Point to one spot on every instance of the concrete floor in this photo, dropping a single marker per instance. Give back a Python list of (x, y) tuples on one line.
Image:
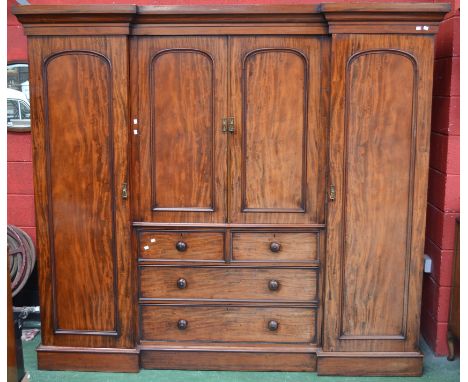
[(436, 369)]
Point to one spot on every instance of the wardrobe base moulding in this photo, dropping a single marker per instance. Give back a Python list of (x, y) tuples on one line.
[(88, 359), (268, 357), (370, 364)]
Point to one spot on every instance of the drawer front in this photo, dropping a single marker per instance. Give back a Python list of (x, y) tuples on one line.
[(275, 246), (228, 324), (182, 246), (228, 283)]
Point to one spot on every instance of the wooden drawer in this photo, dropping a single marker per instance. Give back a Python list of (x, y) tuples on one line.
[(228, 283), (228, 324), (275, 246), (181, 246)]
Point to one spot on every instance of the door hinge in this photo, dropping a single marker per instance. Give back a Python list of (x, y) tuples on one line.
[(124, 191), (231, 125), (332, 194), (228, 125), (224, 125)]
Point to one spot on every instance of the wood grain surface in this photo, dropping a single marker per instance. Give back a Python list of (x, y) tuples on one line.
[(81, 198), (377, 191), (321, 95), (181, 148), (294, 246), (235, 361), (228, 283), (224, 323), (202, 246), (182, 92), (88, 359), (378, 163), (80, 160), (370, 364), (277, 154)]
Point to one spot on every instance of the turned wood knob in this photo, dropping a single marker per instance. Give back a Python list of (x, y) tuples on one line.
[(182, 324), (273, 285), (273, 325), (181, 246), (275, 247), (181, 283)]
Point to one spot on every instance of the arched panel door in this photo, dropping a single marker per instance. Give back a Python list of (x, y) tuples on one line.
[(80, 136), (180, 145), (278, 145), (378, 164)]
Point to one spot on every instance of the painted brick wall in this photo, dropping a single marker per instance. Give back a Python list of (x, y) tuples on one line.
[(444, 182), (19, 156), (444, 175)]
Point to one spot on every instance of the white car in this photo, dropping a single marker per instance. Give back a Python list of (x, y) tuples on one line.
[(18, 111)]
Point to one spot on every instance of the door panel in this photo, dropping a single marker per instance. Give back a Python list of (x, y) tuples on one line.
[(181, 148), (377, 181), (82, 197), (378, 156), (278, 148), (80, 145), (267, 122)]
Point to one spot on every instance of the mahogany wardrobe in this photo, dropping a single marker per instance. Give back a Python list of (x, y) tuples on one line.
[(238, 187)]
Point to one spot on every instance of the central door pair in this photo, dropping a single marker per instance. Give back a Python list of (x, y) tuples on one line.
[(230, 129)]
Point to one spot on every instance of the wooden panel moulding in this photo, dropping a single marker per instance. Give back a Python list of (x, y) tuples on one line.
[(72, 203), (182, 152), (278, 152), (182, 99), (386, 204), (279, 166)]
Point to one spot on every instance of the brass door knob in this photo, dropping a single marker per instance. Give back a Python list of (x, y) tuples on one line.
[(273, 325), (275, 247), (181, 246), (182, 324), (181, 283), (273, 285)]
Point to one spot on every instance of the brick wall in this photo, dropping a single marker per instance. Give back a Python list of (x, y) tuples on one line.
[(444, 175), (444, 182), (20, 199)]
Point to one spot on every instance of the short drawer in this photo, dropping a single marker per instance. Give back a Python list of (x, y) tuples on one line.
[(228, 283), (228, 324), (180, 246), (275, 246)]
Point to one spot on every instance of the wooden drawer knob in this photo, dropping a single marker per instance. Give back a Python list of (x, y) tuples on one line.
[(181, 246), (181, 283), (273, 285), (275, 247), (273, 325), (182, 324)]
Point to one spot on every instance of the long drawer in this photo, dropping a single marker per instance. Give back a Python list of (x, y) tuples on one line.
[(228, 324), (228, 283)]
